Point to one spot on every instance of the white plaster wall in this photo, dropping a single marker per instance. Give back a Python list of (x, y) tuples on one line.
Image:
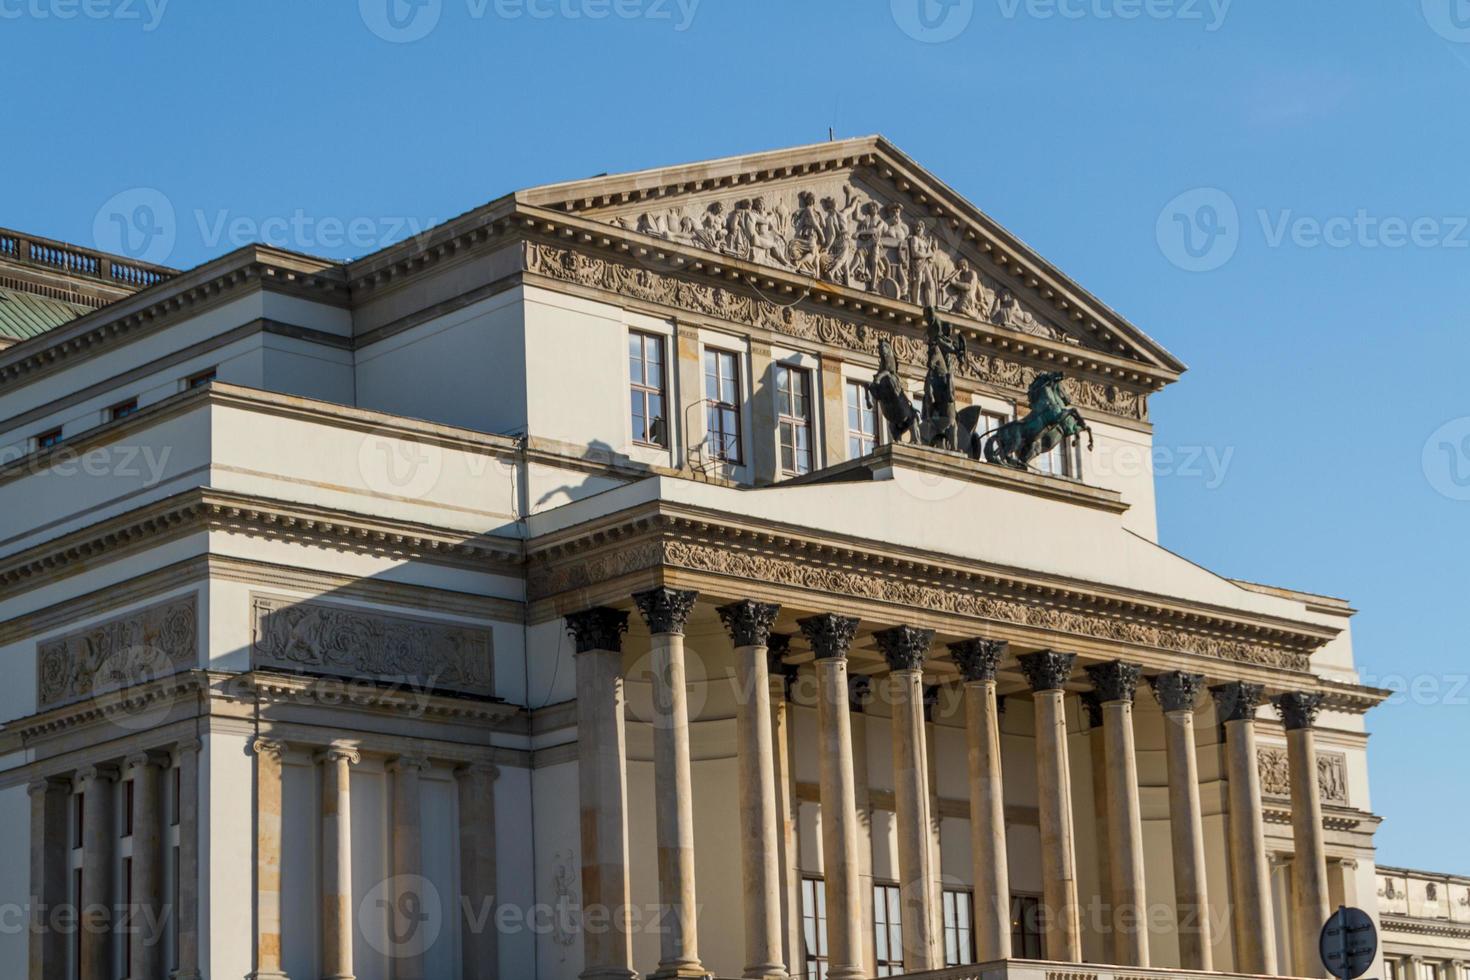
[(371, 865), (532, 943), (301, 863), (1122, 460)]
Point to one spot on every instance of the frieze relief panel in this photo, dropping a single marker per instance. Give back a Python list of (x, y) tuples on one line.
[(120, 653), (641, 282), (1275, 770), (342, 641)]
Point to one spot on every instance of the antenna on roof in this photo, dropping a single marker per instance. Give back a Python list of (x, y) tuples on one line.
[(831, 134)]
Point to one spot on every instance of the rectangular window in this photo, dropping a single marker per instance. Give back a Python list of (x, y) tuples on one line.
[(79, 809), (175, 792), (722, 403), (127, 820), (1026, 931), (48, 439), (646, 371), (202, 378), (1060, 461), (127, 887), (862, 421), (959, 916), (122, 410), (887, 931), (794, 418), (814, 927)]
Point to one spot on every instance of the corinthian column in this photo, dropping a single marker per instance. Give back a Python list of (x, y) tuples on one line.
[(978, 661), (667, 611), (1250, 872), (336, 764), (905, 647), (1309, 864), (1177, 693), (830, 637), (146, 949), (267, 859), (781, 676), (1048, 673), (749, 624), (1116, 685), (602, 783)]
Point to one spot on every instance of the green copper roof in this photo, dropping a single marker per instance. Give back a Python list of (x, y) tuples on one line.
[(26, 315)]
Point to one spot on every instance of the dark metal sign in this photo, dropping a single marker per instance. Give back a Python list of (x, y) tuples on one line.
[(1349, 943)]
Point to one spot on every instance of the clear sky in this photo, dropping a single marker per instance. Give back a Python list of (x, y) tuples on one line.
[(1313, 273)]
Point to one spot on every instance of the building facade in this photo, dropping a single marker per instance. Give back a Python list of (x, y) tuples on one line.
[(549, 596)]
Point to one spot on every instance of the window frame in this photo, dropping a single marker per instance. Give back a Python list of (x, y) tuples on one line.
[(1026, 943), (958, 922), (796, 421), (122, 409), (887, 917), (50, 438), (644, 391), (854, 388), (201, 378), (718, 437), (815, 963)]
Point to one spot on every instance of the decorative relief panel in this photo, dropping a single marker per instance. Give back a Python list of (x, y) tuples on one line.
[(1275, 772), (342, 641), (120, 653), (718, 301)]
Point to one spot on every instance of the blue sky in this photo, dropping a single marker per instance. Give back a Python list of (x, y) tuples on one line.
[(1314, 152)]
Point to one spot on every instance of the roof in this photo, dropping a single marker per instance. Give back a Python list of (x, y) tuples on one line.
[(26, 315)]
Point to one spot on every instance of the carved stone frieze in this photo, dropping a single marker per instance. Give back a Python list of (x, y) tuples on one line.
[(124, 652), (1275, 770), (755, 310), (341, 641)]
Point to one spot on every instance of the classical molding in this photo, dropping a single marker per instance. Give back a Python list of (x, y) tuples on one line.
[(1047, 670), (598, 629), (749, 622), (829, 634), (1178, 690), (321, 638), (904, 647), (1237, 700), (338, 752), (1298, 710), (978, 660), (118, 654), (666, 610), (1275, 771), (1115, 681)]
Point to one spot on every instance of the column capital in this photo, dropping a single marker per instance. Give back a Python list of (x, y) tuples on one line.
[(338, 751), (666, 610), (859, 692), (1047, 670), (267, 747), (157, 758), (1298, 710), (599, 628), (407, 763), (749, 622), (977, 659), (1115, 681), (483, 768), (105, 773), (49, 784), (1237, 700), (829, 634), (778, 645), (1177, 690), (1092, 704), (904, 647), (187, 745)]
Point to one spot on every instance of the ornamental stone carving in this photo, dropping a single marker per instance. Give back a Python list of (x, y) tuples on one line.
[(749, 622), (666, 610), (1115, 681), (904, 647), (342, 641), (1047, 670), (978, 660), (1272, 762), (598, 629), (120, 653), (1298, 711), (1177, 690), (1237, 701), (830, 635)]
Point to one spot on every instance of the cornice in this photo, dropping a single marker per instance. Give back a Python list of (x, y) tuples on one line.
[(1425, 927)]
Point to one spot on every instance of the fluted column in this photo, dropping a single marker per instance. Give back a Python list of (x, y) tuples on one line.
[(781, 676), (978, 661), (859, 695), (1116, 685), (50, 800), (98, 785), (830, 637), (1098, 755), (1177, 694), (479, 938), (1048, 673), (1250, 872), (146, 949), (667, 611), (749, 624), (267, 859), (602, 782), (1309, 865), (187, 899), (407, 836), (336, 765)]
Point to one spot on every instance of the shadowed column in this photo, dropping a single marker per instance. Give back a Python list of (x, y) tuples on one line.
[(1116, 685), (1177, 694), (1250, 872), (782, 675), (475, 786), (267, 859), (1309, 863), (336, 773), (187, 900), (146, 908), (408, 866), (50, 850), (1097, 752)]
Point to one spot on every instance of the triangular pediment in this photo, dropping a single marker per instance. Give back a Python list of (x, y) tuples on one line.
[(858, 215)]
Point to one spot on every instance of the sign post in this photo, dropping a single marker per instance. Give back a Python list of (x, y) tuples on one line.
[(1349, 943)]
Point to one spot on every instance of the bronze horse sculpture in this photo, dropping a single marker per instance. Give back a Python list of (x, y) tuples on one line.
[(887, 390), (1051, 422)]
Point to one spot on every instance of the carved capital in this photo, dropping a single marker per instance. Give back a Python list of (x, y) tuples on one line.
[(1092, 704), (904, 647), (156, 758), (1047, 670), (598, 629), (267, 748), (1298, 710), (338, 752), (189, 746), (829, 634), (408, 764), (778, 645), (58, 785), (749, 622), (1237, 701), (1177, 690), (666, 610), (488, 771), (978, 660), (1115, 681), (859, 692), (89, 775)]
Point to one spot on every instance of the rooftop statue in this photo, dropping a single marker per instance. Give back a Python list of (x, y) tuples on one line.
[(887, 390), (946, 348), (1051, 422)]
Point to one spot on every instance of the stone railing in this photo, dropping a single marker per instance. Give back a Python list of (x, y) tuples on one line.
[(74, 260), (1033, 970)]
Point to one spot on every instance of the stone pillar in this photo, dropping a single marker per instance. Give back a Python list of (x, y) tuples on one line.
[(905, 648), (781, 676), (98, 785), (749, 624), (1309, 865), (1177, 694), (1098, 756), (267, 859), (187, 899), (407, 846), (1116, 685), (1250, 872), (479, 938), (859, 694), (667, 611), (146, 949), (936, 821), (602, 783), (830, 637), (1342, 884), (978, 661), (336, 765), (1048, 673), (50, 801)]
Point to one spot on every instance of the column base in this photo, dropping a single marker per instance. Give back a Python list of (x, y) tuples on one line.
[(695, 972), (258, 975), (772, 971), (186, 975), (608, 973)]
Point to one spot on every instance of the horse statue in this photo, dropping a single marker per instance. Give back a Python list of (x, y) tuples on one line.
[(1051, 422), (887, 390), (940, 425)]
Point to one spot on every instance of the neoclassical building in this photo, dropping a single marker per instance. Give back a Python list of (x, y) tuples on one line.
[(550, 596)]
